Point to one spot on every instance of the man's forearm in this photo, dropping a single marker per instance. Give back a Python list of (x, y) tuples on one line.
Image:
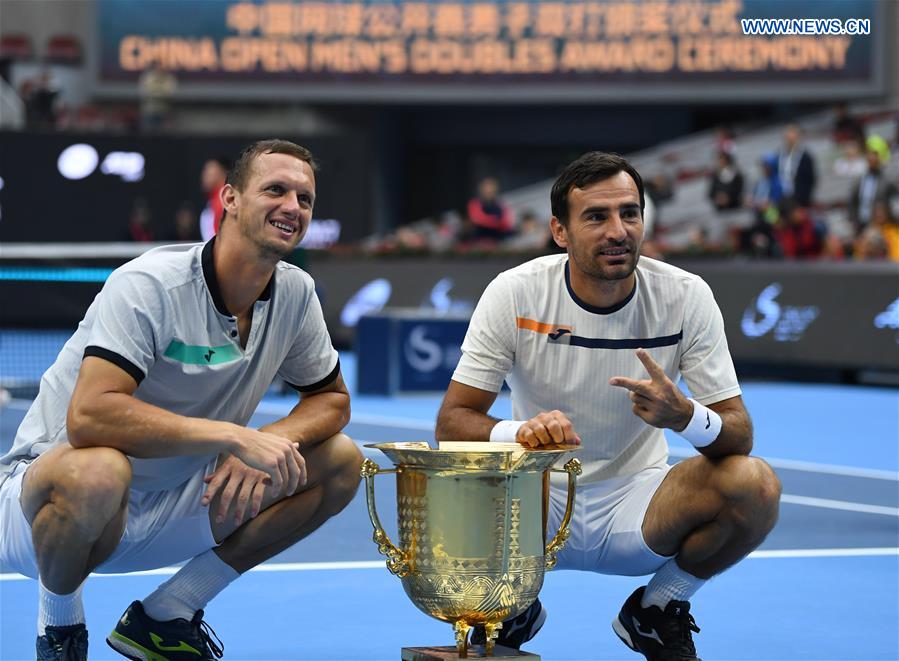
[(313, 419), (735, 436), (463, 424), (139, 429)]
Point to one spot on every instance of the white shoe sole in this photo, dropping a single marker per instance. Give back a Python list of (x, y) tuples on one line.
[(622, 633)]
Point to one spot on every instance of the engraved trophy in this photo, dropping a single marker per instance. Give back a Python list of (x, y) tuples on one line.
[(472, 542)]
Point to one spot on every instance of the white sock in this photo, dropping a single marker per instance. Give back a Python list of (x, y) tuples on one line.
[(58, 610), (190, 589), (670, 583)]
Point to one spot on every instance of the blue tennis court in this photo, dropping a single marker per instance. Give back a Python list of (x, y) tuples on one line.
[(825, 584)]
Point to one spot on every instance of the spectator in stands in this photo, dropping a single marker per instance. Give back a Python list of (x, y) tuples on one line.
[(796, 167), (873, 187), (156, 87), (846, 128), (184, 227), (725, 140), (726, 184), (870, 246), (490, 218), (766, 194), (532, 234), (660, 187), (880, 240), (40, 96), (140, 222), (212, 179), (878, 144), (851, 163), (797, 234)]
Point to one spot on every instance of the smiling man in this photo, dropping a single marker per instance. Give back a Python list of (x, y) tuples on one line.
[(136, 452), (592, 344)]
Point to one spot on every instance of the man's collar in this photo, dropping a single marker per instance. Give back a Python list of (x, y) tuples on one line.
[(212, 282)]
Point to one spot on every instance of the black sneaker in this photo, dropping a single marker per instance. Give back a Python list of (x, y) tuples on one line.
[(139, 637), (67, 643), (517, 631), (658, 635)]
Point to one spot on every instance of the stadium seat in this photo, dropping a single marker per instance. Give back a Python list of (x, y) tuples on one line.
[(16, 46), (63, 49)]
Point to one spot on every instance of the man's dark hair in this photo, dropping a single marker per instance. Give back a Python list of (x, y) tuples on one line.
[(588, 169), (243, 167)]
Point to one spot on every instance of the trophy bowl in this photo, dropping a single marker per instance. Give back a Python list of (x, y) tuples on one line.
[(471, 523)]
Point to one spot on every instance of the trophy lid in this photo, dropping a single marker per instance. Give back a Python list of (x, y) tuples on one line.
[(473, 455)]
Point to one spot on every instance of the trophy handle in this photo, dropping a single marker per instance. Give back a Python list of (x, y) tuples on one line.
[(573, 468), (396, 559)]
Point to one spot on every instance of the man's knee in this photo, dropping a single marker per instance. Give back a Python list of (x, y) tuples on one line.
[(342, 474), (87, 483), (750, 481)]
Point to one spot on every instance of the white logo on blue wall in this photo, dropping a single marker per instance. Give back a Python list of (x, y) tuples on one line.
[(765, 314), (424, 354), (370, 298), (441, 300), (889, 318)]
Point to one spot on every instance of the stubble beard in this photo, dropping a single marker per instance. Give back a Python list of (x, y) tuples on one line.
[(266, 251), (595, 271)]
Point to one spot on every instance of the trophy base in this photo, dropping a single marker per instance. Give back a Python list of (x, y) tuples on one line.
[(474, 652)]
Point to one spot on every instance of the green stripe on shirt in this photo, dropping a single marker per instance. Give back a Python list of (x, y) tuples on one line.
[(190, 354)]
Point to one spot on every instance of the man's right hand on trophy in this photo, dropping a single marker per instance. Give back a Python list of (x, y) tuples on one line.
[(547, 428)]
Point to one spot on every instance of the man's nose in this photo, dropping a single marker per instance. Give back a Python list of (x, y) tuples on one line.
[(290, 204), (615, 228)]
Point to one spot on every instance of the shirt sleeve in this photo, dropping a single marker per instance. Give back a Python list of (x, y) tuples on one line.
[(706, 364), (312, 362), (488, 350), (130, 322)]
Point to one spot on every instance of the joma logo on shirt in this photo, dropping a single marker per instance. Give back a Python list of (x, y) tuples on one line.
[(193, 354)]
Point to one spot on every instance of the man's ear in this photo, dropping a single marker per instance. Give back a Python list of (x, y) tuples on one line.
[(230, 198), (560, 232)]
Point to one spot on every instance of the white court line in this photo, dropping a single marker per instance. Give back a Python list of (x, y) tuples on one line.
[(829, 469), (380, 564), (810, 467), (790, 464), (839, 505), (424, 425), (826, 553)]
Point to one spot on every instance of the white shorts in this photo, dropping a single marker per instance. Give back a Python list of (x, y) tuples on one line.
[(606, 526), (163, 528)]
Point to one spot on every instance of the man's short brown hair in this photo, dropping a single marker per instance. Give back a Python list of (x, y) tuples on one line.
[(243, 167)]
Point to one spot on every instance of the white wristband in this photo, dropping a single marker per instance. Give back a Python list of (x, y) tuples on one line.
[(504, 431), (704, 426)]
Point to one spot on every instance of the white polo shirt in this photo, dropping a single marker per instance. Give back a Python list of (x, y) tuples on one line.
[(162, 319), (558, 352)]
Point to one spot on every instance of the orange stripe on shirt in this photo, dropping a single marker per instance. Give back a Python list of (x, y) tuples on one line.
[(538, 326)]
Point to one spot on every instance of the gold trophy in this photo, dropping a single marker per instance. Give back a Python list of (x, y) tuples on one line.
[(471, 528)]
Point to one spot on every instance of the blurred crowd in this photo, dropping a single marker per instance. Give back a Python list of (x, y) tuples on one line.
[(786, 222), (774, 205), (767, 209)]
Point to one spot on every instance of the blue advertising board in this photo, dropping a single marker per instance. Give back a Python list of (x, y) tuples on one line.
[(407, 351)]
